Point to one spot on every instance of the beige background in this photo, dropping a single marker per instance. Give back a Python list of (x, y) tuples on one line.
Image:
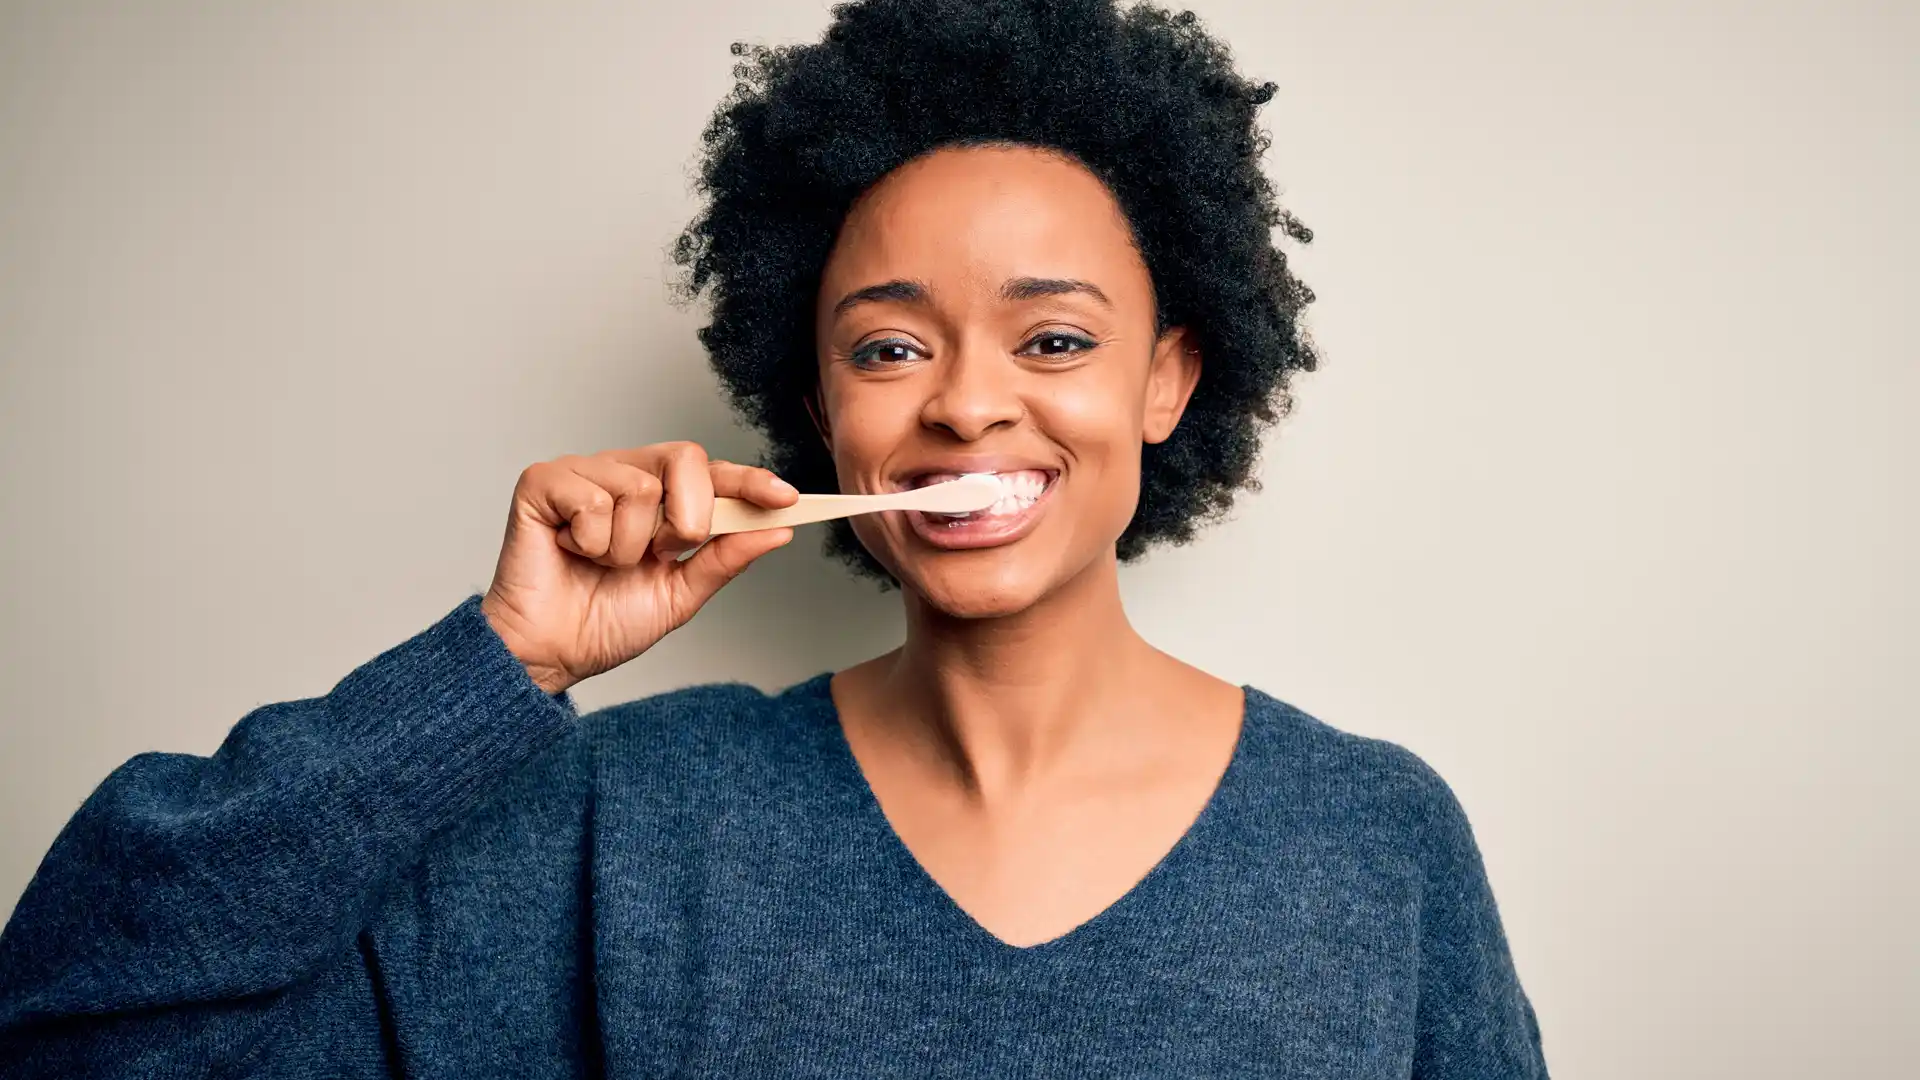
[(1603, 502)]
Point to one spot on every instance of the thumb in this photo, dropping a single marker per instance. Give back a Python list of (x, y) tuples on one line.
[(721, 559)]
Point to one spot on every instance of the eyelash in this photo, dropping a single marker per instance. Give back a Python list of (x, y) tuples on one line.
[(862, 357), (1079, 342)]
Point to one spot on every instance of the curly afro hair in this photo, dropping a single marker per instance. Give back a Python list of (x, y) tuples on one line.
[(1143, 98)]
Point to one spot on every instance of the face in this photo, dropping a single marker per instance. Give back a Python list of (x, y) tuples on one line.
[(984, 310)]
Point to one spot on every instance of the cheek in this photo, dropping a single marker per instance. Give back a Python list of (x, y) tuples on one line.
[(1097, 420), (868, 421), (1097, 423)]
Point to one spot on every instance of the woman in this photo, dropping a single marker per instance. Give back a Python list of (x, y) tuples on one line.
[(1021, 237)]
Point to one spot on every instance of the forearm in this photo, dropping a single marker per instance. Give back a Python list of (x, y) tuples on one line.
[(186, 884)]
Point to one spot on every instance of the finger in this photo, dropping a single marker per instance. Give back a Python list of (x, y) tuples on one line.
[(636, 500), (651, 457), (579, 510), (758, 486), (706, 571), (677, 528), (688, 501)]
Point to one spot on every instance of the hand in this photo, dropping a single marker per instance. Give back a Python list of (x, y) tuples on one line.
[(589, 577)]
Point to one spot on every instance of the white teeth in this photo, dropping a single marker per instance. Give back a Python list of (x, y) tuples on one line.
[(1019, 490)]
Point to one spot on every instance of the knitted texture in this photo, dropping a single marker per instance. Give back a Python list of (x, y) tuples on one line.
[(439, 870)]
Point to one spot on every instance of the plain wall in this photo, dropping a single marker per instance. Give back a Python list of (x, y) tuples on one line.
[(1603, 501)]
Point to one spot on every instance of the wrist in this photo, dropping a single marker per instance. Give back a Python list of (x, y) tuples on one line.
[(549, 677)]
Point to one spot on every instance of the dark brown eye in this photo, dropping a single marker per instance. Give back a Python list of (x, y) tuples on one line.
[(884, 353), (1056, 344)]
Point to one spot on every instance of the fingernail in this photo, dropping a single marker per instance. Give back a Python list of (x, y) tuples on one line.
[(784, 486)]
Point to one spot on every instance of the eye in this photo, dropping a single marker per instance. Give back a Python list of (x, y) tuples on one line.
[(1057, 343), (885, 353)]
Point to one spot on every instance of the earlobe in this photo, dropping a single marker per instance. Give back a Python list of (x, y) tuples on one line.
[(1170, 382)]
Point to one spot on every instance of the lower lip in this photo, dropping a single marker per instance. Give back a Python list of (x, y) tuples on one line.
[(990, 530)]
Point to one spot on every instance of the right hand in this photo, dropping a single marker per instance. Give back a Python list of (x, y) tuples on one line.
[(586, 582)]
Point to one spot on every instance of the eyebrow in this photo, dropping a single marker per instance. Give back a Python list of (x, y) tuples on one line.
[(903, 291), (898, 290), (1031, 288)]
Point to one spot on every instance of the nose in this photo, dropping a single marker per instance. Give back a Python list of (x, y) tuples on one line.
[(975, 392)]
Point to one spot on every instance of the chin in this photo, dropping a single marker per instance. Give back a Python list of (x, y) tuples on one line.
[(977, 582), (987, 584)]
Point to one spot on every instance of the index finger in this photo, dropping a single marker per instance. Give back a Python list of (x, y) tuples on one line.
[(757, 486), (685, 509), (687, 505)]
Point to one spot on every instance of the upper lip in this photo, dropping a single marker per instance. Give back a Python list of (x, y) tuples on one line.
[(971, 463)]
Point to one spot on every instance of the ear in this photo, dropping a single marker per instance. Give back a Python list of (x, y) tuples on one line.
[(811, 399), (1171, 377)]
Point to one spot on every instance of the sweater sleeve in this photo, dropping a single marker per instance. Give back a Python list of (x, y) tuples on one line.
[(194, 909), (1474, 1021)]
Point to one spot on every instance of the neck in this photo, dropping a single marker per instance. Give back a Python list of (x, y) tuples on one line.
[(1010, 702)]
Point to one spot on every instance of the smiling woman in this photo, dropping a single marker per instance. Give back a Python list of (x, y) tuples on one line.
[(994, 315), (1021, 238)]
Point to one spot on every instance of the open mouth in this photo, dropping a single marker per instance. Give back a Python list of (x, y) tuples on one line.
[(1019, 490)]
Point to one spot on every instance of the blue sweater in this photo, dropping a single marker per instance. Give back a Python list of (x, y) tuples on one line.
[(439, 870)]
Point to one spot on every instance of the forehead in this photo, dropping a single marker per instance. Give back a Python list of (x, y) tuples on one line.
[(970, 218)]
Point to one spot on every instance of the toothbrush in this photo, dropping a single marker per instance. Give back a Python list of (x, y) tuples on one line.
[(974, 491)]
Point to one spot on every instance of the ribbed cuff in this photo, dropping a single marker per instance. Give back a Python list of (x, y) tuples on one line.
[(445, 717)]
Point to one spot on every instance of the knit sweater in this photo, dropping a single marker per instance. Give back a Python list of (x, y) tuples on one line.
[(437, 869)]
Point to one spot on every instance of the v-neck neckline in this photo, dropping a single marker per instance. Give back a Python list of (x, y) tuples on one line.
[(960, 923)]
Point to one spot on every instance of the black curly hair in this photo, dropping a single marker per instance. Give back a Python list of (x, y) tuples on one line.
[(1143, 98)]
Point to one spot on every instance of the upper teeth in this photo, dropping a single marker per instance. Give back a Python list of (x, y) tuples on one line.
[(1026, 483), (1018, 489)]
